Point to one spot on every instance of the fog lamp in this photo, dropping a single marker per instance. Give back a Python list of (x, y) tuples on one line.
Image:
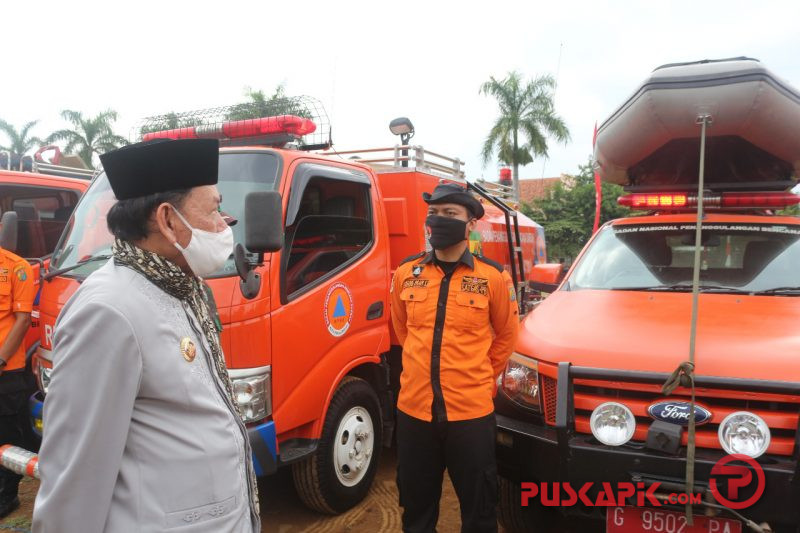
[(745, 433), (612, 423)]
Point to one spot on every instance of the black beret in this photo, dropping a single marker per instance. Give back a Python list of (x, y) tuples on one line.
[(450, 193), (161, 165)]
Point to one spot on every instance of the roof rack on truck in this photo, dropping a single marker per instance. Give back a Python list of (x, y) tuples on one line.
[(9, 161), (296, 122), (397, 159)]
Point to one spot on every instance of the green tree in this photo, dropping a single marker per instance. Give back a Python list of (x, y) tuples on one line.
[(259, 105), (170, 121), (88, 136), (527, 118), (19, 142), (567, 213)]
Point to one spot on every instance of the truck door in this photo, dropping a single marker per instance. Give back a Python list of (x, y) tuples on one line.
[(332, 288)]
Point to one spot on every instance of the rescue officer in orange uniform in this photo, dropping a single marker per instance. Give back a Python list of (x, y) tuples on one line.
[(17, 292), (456, 317)]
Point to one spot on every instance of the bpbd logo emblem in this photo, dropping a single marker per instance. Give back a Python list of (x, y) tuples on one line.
[(677, 412)]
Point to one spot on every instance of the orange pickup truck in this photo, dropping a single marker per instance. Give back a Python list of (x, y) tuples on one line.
[(590, 396)]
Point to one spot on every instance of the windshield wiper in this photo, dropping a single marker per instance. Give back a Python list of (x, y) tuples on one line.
[(92, 259), (683, 287), (780, 290)]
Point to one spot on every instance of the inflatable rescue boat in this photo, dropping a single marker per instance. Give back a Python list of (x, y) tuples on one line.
[(753, 140)]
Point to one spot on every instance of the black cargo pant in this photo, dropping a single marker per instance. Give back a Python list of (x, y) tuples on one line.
[(466, 448), (16, 386)]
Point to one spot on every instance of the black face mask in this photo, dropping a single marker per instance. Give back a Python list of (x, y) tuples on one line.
[(445, 232)]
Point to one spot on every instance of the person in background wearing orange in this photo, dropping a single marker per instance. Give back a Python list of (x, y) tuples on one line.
[(456, 317), (17, 292)]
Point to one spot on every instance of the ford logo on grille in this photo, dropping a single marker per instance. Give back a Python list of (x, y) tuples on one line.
[(677, 412)]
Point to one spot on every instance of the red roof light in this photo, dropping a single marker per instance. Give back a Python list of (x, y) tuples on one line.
[(253, 127)]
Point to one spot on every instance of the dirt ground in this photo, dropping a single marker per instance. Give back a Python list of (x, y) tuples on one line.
[(283, 512)]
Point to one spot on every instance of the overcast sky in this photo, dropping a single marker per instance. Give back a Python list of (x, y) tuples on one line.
[(369, 62)]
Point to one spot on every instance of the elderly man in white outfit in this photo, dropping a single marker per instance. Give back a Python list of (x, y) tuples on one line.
[(142, 432)]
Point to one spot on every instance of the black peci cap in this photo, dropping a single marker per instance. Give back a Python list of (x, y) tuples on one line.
[(161, 165), (450, 193)]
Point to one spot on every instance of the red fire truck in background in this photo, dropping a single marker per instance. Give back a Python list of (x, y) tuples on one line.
[(304, 300)]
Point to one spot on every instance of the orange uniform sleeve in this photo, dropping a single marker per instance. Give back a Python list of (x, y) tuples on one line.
[(398, 308), (504, 314), (23, 289)]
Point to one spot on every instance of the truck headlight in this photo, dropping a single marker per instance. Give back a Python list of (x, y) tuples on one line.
[(252, 388), (42, 367), (612, 423), (745, 433), (520, 381)]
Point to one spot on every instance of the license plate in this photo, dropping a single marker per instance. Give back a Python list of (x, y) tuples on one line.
[(637, 519)]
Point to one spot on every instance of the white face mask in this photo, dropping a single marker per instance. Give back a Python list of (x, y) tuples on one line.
[(207, 251)]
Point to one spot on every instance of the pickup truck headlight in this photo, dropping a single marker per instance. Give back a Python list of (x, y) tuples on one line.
[(42, 367), (252, 388), (520, 381)]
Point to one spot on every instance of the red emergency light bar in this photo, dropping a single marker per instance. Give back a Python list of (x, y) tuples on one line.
[(726, 200), (237, 129)]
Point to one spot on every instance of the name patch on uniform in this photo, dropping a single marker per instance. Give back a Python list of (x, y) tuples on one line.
[(407, 284), (475, 285)]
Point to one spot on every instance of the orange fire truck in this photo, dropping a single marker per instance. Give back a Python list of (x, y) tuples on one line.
[(36, 200), (305, 313)]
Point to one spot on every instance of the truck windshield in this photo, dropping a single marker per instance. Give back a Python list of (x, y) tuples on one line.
[(735, 258), (87, 236)]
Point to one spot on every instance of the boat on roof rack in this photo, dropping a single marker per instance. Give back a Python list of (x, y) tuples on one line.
[(652, 140)]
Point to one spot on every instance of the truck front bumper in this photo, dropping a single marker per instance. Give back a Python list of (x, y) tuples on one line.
[(529, 450)]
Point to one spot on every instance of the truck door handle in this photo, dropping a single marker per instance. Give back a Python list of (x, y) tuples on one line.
[(375, 311)]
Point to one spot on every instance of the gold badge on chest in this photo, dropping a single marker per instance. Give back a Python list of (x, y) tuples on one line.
[(188, 349)]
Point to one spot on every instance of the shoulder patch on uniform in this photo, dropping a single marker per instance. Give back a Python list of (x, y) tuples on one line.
[(412, 257), (488, 261)]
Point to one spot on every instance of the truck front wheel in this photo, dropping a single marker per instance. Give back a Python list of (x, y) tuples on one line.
[(339, 474), (512, 515)]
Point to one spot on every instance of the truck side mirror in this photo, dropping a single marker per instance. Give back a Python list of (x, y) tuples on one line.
[(263, 222), (8, 231), (546, 277), (263, 232)]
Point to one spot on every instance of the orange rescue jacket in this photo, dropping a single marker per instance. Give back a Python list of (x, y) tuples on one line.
[(17, 292), (457, 333)]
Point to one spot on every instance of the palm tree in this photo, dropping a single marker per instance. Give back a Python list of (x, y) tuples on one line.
[(170, 121), (527, 118), (89, 136), (260, 105), (19, 142)]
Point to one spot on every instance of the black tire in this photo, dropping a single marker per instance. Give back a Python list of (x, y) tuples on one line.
[(512, 515), (315, 478)]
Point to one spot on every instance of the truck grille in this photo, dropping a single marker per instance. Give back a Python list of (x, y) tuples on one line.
[(781, 413)]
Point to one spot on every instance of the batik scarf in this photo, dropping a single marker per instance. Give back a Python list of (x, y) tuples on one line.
[(189, 289)]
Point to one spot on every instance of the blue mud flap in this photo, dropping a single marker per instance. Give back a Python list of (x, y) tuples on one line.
[(264, 445), (35, 405)]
